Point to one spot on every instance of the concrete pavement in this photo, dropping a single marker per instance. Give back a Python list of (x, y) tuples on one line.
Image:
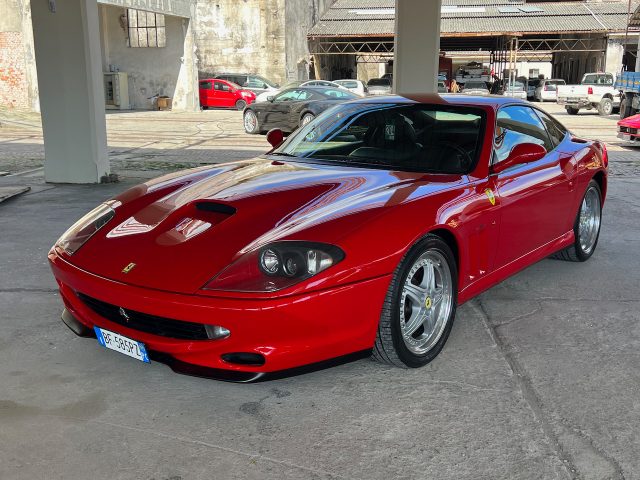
[(539, 379)]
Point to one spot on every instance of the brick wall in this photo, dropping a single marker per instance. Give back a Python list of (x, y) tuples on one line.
[(14, 89)]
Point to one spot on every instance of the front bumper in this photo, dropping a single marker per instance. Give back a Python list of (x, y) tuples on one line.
[(288, 331)]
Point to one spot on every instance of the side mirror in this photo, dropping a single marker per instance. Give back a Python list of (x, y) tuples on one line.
[(270, 98), (521, 153), (275, 137)]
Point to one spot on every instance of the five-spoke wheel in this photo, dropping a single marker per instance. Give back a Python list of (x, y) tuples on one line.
[(420, 306)]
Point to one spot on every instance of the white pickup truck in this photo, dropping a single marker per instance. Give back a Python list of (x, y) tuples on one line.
[(595, 91)]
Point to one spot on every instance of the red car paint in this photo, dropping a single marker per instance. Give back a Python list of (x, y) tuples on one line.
[(629, 128), (369, 213), (220, 93)]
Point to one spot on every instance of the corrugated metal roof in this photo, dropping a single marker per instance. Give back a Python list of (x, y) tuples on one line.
[(376, 17)]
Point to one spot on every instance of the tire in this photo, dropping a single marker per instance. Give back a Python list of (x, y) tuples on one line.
[(306, 118), (572, 111), (204, 107), (605, 107), (250, 122), (420, 347), (586, 234), (240, 104), (623, 109)]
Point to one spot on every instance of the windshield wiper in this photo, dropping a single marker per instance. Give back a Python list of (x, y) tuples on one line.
[(284, 154)]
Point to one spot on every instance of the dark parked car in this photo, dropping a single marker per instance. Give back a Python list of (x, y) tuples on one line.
[(379, 86), (292, 108), (249, 81)]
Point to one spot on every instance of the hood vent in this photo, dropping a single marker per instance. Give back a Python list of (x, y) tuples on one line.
[(215, 207)]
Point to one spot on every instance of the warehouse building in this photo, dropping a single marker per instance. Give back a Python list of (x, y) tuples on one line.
[(557, 39)]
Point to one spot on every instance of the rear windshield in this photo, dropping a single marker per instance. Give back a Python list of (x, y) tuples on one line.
[(379, 82), (515, 86), (417, 138), (554, 82)]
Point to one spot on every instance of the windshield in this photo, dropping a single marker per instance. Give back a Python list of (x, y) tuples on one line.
[(423, 138), (347, 83), (379, 82), (480, 85), (267, 82)]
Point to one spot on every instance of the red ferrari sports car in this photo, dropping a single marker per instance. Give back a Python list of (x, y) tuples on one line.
[(362, 231)]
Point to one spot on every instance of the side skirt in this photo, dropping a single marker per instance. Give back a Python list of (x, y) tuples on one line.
[(515, 266)]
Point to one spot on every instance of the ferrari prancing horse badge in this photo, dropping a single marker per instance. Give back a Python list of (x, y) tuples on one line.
[(490, 196)]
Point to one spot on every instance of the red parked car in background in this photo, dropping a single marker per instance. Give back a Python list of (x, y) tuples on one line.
[(220, 93)]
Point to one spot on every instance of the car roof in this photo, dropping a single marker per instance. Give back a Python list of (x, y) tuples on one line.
[(492, 101)]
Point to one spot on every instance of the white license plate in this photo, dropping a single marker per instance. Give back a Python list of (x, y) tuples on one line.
[(122, 344), (624, 136), (573, 100)]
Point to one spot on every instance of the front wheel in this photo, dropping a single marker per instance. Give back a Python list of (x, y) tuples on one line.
[(605, 107), (586, 227), (306, 118), (250, 121), (420, 306)]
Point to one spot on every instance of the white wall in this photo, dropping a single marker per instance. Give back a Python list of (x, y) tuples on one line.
[(166, 71)]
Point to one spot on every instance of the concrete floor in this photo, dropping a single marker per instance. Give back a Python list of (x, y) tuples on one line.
[(540, 378)]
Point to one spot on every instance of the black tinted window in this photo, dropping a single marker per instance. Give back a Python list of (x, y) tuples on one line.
[(430, 138), (518, 124), (205, 85), (554, 128)]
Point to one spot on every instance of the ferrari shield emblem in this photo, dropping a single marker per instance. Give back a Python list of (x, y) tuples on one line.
[(128, 268), (490, 196)]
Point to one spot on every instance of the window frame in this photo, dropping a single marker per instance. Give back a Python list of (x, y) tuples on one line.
[(159, 25)]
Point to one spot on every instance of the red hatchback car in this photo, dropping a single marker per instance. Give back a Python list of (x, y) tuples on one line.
[(220, 93), (362, 231)]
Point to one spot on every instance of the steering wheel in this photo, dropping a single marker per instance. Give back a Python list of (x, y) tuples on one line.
[(464, 159)]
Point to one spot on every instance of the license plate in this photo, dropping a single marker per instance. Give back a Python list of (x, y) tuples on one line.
[(122, 344), (573, 100), (624, 136)]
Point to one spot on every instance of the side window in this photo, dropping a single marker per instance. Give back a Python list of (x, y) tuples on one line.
[(589, 79), (556, 131), (255, 82), (518, 124), (205, 85), (222, 87), (240, 80), (292, 96)]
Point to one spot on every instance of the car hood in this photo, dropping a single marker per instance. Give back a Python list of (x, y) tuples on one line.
[(181, 232)]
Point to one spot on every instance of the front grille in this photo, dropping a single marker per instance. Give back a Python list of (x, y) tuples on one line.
[(630, 130), (164, 327)]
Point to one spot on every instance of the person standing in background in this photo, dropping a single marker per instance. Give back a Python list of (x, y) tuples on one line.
[(455, 88)]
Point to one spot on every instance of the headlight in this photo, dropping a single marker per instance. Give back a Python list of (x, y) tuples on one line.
[(246, 94), (83, 229), (276, 266)]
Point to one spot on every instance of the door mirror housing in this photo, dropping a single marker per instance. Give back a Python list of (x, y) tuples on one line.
[(275, 137), (270, 98), (520, 154)]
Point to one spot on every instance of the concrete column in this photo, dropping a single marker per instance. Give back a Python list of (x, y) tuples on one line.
[(68, 60), (613, 56), (417, 46), (637, 69)]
